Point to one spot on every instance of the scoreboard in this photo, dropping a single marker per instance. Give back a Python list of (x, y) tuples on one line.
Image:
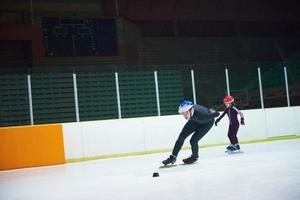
[(80, 37)]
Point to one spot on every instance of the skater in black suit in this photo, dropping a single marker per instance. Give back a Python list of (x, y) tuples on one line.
[(232, 113), (200, 120)]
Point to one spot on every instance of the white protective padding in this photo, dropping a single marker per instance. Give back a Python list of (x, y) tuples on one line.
[(162, 132), (73, 140), (113, 136), (280, 121), (296, 120), (255, 125), (96, 138)]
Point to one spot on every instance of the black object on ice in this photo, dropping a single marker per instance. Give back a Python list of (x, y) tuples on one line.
[(155, 174)]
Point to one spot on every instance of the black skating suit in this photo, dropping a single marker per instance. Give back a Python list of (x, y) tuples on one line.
[(232, 113), (200, 122)]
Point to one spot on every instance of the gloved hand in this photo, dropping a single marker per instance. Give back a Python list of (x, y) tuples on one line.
[(242, 121), (216, 122)]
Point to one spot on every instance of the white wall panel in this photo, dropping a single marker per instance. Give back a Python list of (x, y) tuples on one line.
[(73, 139), (296, 120), (162, 132), (255, 125), (113, 136), (87, 139), (279, 121)]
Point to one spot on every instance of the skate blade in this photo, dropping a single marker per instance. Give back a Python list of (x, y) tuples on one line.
[(177, 165), (234, 152), (193, 163), (167, 166)]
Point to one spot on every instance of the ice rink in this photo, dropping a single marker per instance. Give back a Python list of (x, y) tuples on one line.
[(268, 170)]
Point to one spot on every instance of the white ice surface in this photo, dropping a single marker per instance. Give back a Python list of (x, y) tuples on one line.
[(265, 171)]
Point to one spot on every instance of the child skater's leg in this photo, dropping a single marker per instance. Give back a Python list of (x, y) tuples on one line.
[(232, 135)]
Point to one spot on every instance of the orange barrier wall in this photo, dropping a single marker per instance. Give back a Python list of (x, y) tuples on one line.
[(31, 146)]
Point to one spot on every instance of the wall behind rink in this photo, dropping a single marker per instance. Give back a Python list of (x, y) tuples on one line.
[(84, 140), (31, 146)]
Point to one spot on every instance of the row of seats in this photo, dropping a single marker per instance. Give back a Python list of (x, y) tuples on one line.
[(53, 96)]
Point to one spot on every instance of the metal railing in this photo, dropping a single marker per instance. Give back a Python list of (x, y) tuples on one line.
[(142, 93)]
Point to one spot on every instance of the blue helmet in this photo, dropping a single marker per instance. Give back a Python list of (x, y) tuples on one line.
[(184, 106)]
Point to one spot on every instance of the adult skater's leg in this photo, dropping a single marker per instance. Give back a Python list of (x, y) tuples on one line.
[(200, 132), (188, 129)]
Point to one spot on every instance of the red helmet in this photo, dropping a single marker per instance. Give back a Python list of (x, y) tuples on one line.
[(228, 99)]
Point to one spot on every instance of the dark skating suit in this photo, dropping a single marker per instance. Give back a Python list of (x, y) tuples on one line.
[(200, 122), (232, 113)]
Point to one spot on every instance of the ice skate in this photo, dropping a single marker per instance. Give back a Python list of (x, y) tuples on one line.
[(237, 147), (170, 160), (190, 160), (229, 147), (234, 149)]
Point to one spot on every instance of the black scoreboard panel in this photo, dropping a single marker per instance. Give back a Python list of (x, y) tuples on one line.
[(80, 37)]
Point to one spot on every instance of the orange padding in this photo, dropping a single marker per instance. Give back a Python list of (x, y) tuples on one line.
[(31, 146)]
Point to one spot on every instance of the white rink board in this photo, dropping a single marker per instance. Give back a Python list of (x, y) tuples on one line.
[(96, 138), (296, 120), (280, 121), (73, 140), (161, 132)]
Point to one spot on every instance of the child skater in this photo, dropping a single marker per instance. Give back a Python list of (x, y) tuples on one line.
[(200, 121), (234, 124)]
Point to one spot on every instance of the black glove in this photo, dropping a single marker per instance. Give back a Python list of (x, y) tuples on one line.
[(216, 122), (242, 121)]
